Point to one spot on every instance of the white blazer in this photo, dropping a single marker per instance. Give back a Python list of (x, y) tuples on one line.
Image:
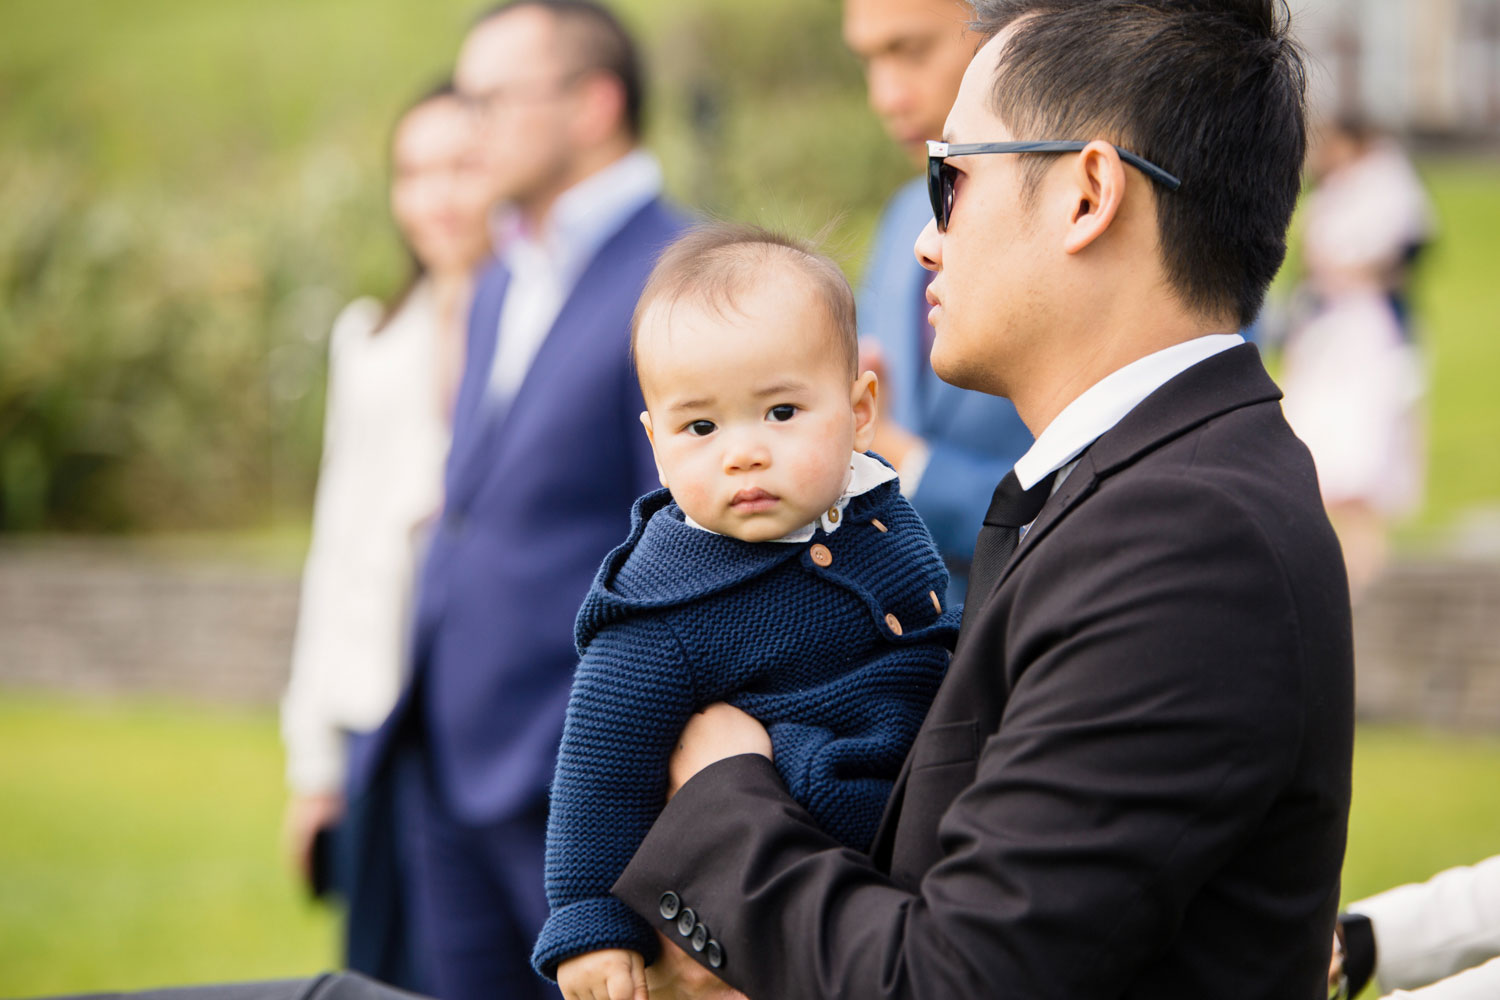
[(385, 440), (1428, 931)]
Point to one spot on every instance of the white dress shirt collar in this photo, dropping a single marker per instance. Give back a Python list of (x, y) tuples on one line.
[(1106, 402), (865, 473)]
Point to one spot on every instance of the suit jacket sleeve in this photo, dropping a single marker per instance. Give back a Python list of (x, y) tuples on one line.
[(631, 697), (1153, 715)]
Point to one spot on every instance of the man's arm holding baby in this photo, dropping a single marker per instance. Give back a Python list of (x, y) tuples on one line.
[(718, 732)]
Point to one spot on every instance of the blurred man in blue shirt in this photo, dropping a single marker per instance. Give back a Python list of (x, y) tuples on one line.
[(950, 445)]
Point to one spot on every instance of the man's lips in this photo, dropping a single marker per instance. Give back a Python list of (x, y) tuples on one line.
[(752, 501)]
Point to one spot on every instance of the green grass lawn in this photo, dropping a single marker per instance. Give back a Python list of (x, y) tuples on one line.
[(1459, 302), (139, 846)]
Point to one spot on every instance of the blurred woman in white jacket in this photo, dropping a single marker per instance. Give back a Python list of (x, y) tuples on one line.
[(393, 373)]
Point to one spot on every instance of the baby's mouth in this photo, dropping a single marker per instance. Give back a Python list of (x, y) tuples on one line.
[(753, 500)]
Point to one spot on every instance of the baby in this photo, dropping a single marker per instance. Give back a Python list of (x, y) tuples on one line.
[(783, 573)]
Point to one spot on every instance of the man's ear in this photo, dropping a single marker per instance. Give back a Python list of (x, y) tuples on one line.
[(601, 112), (862, 398), (1097, 186), (651, 436)]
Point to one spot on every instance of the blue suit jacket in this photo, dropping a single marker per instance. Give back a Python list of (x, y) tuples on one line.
[(974, 438), (537, 493)]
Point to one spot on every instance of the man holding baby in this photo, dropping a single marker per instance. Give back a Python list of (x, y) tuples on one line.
[(1134, 780)]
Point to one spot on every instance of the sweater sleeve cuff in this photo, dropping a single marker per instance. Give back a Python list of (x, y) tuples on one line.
[(1359, 950), (590, 925), (314, 755)]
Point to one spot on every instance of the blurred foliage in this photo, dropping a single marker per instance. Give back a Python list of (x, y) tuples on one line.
[(189, 192)]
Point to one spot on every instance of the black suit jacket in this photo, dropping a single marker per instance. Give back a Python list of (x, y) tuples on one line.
[(1134, 781)]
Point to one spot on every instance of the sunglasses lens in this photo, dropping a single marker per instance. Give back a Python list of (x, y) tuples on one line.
[(935, 192), (950, 179), (940, 180)]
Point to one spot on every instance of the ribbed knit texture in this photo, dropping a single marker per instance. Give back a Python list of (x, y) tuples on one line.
[(679, 618)]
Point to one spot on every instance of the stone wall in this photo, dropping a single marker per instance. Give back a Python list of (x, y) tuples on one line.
[(106, 618), (103, 618), (1427, 645)]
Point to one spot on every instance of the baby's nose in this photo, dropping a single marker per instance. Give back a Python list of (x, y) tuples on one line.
[(747, 451)]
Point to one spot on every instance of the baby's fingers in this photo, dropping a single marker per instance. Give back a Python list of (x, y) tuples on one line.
[(620, 986), (638, 977)]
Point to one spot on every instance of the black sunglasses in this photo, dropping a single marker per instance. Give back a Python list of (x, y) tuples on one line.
[(941, 176)]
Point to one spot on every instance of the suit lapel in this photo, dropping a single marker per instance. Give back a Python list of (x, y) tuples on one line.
[(471, 423)]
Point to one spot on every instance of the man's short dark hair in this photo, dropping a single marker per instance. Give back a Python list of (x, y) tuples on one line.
[(1213, 91), (715, 262), (596, 39)]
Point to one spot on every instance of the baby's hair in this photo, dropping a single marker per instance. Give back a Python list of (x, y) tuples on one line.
[(716, 261)]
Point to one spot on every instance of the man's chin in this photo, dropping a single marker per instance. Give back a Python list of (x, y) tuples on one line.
[(958, 373)]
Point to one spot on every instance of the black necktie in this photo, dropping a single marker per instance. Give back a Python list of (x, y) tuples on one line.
[(1010, 510)]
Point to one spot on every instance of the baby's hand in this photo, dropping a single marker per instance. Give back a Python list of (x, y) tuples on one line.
[(611, 974)]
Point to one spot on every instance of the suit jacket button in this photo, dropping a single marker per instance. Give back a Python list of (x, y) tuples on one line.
[(893, 623), (671, 905), (715, 954), (686, 921), (821, 555), (700, 937)]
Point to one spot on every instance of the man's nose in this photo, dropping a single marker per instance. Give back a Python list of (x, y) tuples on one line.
[(929, 247), (889, 91)]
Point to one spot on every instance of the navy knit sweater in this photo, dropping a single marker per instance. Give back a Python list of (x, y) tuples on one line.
[(838, 657)]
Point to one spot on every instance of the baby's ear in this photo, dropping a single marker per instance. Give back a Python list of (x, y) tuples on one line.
[(862, 398), (651, 436)]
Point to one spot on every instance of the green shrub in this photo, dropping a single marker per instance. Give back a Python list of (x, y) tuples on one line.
[(194, 190)]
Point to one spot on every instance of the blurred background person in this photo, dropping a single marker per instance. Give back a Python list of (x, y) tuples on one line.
[(392, 376), (547, 458), (1438, 939), (1352, 374), (950, 445)]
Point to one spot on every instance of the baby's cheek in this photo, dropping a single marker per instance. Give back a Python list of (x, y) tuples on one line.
[(820, 477), (691, 495)]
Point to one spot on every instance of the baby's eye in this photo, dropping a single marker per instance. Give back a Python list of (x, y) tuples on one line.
[(700, 428), (781, 414)]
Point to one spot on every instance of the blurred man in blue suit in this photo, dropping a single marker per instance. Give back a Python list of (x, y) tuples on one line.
[(950, 445), (547, 458)]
